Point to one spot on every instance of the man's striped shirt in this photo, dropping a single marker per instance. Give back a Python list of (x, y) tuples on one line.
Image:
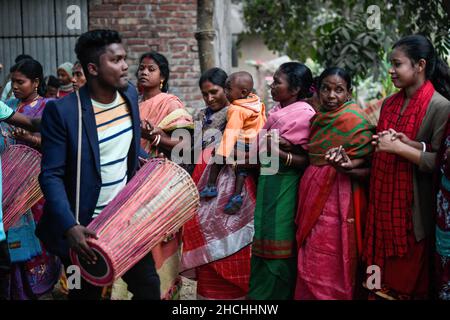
[(114, 129)]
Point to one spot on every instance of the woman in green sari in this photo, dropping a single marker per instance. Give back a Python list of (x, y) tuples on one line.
[(273, 262)]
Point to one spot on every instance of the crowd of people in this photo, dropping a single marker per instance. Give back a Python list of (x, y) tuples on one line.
[(346, 194)]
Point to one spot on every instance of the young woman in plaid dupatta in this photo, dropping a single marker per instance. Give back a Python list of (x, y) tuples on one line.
[(410, 128)]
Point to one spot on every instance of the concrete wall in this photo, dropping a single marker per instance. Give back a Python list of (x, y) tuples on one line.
[(222, 42)]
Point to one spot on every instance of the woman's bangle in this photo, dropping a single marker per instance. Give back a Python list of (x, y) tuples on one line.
[(424, 146), (158, 140), (288, 159)]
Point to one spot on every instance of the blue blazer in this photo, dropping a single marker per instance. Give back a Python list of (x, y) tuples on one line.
[(59, 130)]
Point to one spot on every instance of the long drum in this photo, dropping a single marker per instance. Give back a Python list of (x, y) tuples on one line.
[(156, 203), (21, 166)]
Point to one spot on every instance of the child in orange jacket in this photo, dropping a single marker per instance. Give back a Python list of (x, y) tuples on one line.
[(245, 118)]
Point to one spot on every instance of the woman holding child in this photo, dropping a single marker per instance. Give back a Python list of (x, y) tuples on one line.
[(221, 262)]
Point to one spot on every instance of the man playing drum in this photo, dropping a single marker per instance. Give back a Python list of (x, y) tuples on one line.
[(109, 159)]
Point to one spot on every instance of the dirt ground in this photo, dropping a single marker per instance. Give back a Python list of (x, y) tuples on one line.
[(188, 289)]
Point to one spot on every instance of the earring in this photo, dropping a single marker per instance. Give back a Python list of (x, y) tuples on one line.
[(161, 85)]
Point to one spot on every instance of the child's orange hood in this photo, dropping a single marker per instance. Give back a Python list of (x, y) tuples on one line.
[(252, 103)]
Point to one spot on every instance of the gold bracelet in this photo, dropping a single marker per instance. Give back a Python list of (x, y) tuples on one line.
[(288, 159)]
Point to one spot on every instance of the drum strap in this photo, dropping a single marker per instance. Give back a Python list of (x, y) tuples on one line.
[(80, 128)]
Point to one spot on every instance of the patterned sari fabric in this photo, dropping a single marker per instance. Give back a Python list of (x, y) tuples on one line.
[(34, 271), (389, 224), (216, 244), (329, 207), (167, 112), (273, 262), (443, 220)]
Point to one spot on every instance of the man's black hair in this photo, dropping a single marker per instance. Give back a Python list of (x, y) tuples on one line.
[(91, 45)]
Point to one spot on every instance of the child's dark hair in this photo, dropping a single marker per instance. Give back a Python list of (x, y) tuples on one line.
[(335, 71), (21, 57), (418, 47), (214, 75), (163, 66), (31, 69), (299, 77), (92, 44), (52, 81)]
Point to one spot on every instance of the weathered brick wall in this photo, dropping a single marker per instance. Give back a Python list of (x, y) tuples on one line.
[(166, 26)]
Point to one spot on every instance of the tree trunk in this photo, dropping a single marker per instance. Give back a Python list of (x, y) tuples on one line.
[(205, 34)]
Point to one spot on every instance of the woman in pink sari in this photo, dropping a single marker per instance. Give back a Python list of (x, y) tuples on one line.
[(273, 261)]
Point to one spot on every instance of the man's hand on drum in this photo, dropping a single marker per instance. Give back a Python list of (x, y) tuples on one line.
[(76, 237)]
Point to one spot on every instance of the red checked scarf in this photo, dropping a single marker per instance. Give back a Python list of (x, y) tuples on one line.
[(391, 184)]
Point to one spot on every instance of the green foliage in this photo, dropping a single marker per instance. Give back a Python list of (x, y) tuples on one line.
[(335, 33)]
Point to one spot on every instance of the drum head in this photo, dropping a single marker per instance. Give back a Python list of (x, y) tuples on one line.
[(99, 274)]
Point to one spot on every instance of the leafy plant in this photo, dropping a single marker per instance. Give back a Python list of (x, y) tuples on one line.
[(335, 33)]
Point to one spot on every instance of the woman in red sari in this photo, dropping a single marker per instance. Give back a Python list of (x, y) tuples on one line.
[(328, 216), (400, 225)]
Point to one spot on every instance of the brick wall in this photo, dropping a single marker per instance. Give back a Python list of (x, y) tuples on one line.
[(166, 26)]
